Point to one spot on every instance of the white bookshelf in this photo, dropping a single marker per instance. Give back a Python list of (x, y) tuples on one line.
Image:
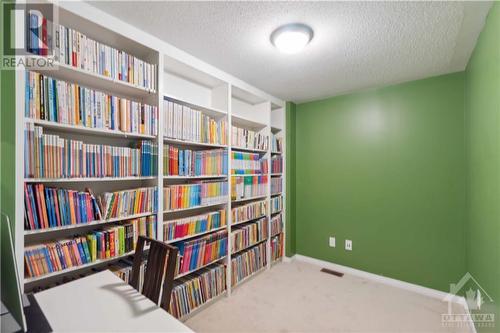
[(182, 79)]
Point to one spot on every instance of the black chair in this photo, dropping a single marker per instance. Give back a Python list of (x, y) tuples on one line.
[(160, 270)]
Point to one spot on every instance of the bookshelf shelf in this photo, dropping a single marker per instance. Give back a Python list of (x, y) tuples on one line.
[(180, 79), (249, 246), (242, 121), (192, 143), (277, 212), (195, 177), (195, 235), (249, 199), (87, 130), (249, 220), (84, 225), (249, 174), (251, 150), (194, 207), (276, 194), (95, 81), (211, 111), (77, 180), (198, 268)]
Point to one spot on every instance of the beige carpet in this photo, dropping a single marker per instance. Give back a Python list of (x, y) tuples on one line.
[(297, 297)]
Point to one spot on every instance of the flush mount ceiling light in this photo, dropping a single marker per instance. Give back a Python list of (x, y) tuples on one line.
[(291, 38)]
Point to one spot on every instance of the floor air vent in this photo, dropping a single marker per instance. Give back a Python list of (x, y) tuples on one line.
[(329, 271)]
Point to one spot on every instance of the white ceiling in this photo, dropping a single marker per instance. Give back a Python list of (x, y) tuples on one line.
[(357, 45)]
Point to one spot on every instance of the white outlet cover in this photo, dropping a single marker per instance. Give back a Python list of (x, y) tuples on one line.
[(348, 245), (332, 242)]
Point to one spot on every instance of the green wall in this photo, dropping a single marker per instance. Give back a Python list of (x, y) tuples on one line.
[(290, 179), (9, 290), (385, 168), (483, 157)]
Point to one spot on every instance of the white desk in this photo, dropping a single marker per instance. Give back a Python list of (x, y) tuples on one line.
[(102, 302)]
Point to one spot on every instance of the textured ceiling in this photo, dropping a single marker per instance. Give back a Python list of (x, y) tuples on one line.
[(356, 45)]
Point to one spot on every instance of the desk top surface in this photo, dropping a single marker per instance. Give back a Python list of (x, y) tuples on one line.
[(102, 302)]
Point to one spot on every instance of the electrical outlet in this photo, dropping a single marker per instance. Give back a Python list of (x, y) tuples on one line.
[(348, 245), (332, 242)]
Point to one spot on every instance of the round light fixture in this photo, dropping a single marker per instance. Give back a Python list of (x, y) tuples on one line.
[(291, 38)]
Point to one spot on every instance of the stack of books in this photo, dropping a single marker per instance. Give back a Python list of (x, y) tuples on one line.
[(194, 195), (243, 138), (68, 103), (276, 204), (199, 252), (56, 256), (186, 162), (184, 123), (248, 262), (248, 187), (48, 207), (249, 211), (190, 293), (277, 247), (276, 185), (193, 225), (277, 164), (129, 202), (247, 163), (276, 144), (50, 156), (75, 49), (244, 236), (276, 225), (144, 226)]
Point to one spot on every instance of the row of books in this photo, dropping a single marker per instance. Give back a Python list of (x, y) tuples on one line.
[(71, 47), (277, 247), (186, 162), (249, 211), (184, 123), (193, 195), (199, 252), (276, 144), (129, 202), (244, 138), (248, 186), (277, 164), (71, 104), (191, 292), (193, 225), (276, 204), (276, 224), (59, 255), (48, 207), (51, 156), (246, 235), (248, 262), (276, 185), (123, 269), (247, 163)]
